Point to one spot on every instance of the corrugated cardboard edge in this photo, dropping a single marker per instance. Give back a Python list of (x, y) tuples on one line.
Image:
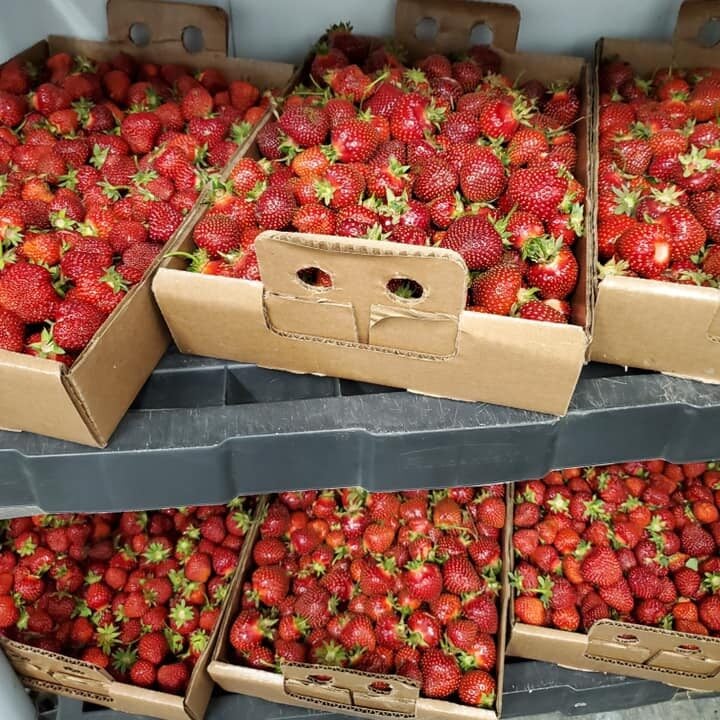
[(62, 675), (576, 650), (645, 323), (92, 397), (270, 686), (567, 347)]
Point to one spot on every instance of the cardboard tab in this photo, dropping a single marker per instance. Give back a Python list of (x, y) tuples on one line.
[(455, 20), (692, 15), (166, 22), (360, 271)]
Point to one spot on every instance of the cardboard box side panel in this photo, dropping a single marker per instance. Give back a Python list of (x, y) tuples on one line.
[(35, 397), (658, 326), (521, 364), (35, 54)]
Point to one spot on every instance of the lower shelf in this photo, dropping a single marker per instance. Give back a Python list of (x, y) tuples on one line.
[(531, 688)]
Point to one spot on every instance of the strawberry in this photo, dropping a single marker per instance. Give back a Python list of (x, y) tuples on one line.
[(646, 249), (482, 176), (477, 689), (12, 331), (271, 583), (476, 240), (27, 291), (696, 541), (358, 633), (537, 189), (275, 208), (441, 675), (600, 567), (710, 612), (413, 115), (553, 268), (305, 125), (77, 322), (217, 234)]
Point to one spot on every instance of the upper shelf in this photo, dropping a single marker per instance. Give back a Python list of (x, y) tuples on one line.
[(203, 431)]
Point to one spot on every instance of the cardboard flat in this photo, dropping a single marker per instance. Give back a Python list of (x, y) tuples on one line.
[(341, 690), (683, 660), (62, 675), (359, 330), (672, 328), (85, 403)]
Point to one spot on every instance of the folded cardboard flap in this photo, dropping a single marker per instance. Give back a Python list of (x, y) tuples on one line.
[(692, 16), (352, 689), (454, 22), (166, 23), (659, 649), (359, 307)]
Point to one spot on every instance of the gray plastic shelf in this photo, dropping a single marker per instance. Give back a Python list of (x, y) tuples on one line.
[(203, 431), (531, 688)]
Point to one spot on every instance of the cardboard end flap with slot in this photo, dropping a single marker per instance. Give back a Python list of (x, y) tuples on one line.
[(671, 328), (85, 403), (357, 329), (679, 659), (350, 692)]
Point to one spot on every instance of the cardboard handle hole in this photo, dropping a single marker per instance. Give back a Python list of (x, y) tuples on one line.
[(709, 33), (627, 639), (193, 39), (320, 679), (405, 289), (481, 34), (426, 29), (380, 688), (140, 34), (687, 650), (315, 278)]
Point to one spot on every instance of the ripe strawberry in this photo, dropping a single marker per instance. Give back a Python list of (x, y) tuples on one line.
[(482, 176), (440, 673), (27, 291), (600, 567), (358, 633), (710, 612), (536, 189), (413, 115), (646, 249), (476, 240), (477, 689), (77, 322), (696, 541), (314, 606), (271, 583)]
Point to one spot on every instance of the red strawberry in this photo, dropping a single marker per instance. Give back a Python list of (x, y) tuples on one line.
[(77, 322), (482, 176), (440, 674), (27, 291), (538, 189), (553, 268), (600, 567), (476, 240), (646, 248), (477, 689)]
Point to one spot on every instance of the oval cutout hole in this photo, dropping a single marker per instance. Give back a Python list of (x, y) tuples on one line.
[(320, 679), (192, 39), (140, 34), (315, 278), (380, 687), (709, 33), (627, 639), (687, 649), (426, 29), (481, 34), (405, 288)]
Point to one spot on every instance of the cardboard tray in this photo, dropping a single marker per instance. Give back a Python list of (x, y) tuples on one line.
[(49, 672), (345, 691), (359, 330), (648, 323), (85, 403), (682, 660)]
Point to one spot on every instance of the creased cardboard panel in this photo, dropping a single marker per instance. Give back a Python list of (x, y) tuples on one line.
[(335, 697), (679, 659)]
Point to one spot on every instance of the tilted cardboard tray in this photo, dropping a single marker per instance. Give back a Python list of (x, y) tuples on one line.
[(50, 672), (346, 691), (679, 659), (85, 403), (648, 323), (358, 329)]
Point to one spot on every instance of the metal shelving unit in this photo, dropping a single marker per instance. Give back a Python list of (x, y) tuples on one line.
[(203, 431)]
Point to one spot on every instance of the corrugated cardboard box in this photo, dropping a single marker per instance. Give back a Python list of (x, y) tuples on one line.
[(679, 659), (358, 329), (648, 323), (346, 691), (86, 402), (61, 675)]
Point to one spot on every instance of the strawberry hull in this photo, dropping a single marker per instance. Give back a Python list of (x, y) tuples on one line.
[(679, 659), (334, 689), (645, 323), (357, 328), (85, 403)]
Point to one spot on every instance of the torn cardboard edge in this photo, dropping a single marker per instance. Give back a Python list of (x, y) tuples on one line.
[(347, 691), (667, 327), (85, 403), (63, 675), (524, 364), (683, 660)]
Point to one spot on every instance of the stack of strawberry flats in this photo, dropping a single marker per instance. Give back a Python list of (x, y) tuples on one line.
[(99, 164)]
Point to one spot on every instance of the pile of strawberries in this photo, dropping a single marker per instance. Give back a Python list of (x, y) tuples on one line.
[(659, 174), (403, 583), (636, 542), (135, 593), (442, 153), (99, 163)]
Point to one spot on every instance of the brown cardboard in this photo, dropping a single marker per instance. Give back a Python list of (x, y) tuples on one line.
[(647, 323), (357, 329), (51, 672), (346, 691), (85, 403), (683, 660)]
